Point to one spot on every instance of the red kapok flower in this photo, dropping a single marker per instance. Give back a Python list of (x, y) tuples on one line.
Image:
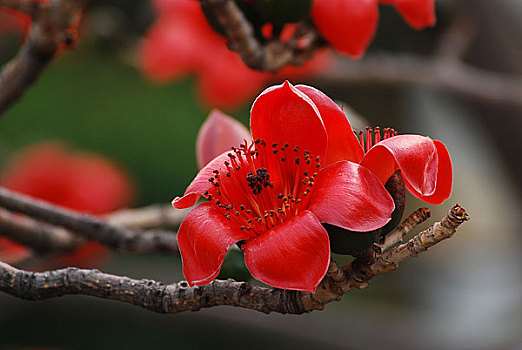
[(349, 25), (80, 181), (272, 195), (181, 42)]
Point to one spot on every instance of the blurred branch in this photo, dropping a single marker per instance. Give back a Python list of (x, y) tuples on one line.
[(178, 297), (452, 76), (273, 55), (50, 23), (88, 227), (444, 70), (151, 217), (39, 236), (43, 238)]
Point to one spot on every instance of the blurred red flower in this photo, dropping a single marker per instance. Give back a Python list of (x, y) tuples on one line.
[(181, 42), (84, 182), (305, 167), (349, 25)]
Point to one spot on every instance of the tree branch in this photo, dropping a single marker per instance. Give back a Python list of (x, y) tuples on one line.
[(178, 297), (89, 227), (269, 57), (43, 238), (453, 76), (50, 23), (397, 235)]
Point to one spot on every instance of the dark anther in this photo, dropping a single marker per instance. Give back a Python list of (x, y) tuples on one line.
[(211, 179), (283, 159), (238, 167), (242, 207), (286, 145), (228, 174), (280, 195), (297, 160), (217, 184), (274, 145)]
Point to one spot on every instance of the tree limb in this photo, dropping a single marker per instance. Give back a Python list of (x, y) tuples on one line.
[(403, 69), (270, 56), (89, 227), (178, 297), (50, 23), (43, 238)]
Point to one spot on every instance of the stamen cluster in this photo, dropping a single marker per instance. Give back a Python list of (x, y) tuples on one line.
[(371, 137), (263, 186)]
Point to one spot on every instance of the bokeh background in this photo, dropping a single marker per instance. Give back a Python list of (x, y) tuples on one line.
[(466, 293)]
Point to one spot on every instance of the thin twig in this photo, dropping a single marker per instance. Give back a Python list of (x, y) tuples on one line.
[(178, 297), (271, 56), (50, 23), (89, 227), (396, 236)]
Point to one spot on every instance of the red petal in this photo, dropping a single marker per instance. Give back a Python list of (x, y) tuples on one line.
[(415, 155), (418, 14), (349, 196), (168, 50), (217, 135), (283, 114), (348, 25), (294, 255), (200, 184), (342, 143), (444, 178), (204, 238)]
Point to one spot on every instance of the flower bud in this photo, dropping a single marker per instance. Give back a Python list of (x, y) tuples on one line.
[(352, 243)]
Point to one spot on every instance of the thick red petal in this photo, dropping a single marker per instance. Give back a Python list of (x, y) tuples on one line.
[(418, 14), (348, 195), (201, 182), (342, 143), (444, 178), (294, 255), (283, 114), (204, 238), (415, 155), (348, 25), (217, 135)]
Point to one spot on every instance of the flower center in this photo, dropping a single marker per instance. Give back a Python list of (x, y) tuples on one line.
[(371, 137), (263, 186)]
